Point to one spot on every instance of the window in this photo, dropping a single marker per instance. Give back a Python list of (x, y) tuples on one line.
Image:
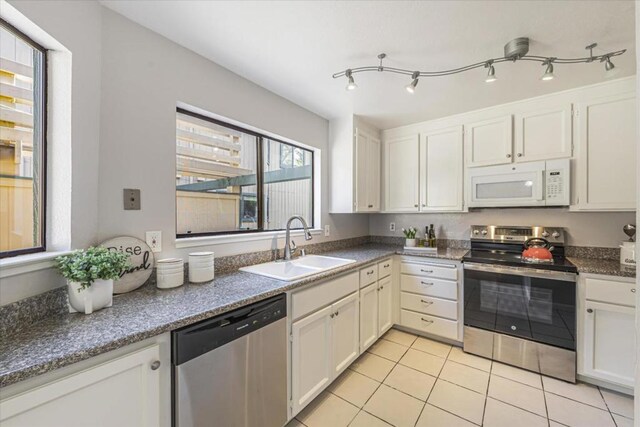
[(234, 180), (22, 143)]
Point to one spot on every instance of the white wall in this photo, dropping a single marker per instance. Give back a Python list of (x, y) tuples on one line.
[(583, 228)]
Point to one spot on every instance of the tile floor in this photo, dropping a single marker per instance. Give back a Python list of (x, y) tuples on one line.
[(405, 380)]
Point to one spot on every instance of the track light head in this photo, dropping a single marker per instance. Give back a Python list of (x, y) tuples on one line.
[(411, 87), (608, 65), (548, 73), (491, 74), (351, 85)]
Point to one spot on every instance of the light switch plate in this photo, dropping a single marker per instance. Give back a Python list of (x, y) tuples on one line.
[(154, 240), (131, 199), (392, 226), (327, 230)]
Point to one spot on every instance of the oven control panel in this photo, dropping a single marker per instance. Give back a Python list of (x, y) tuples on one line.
[(506, 234)]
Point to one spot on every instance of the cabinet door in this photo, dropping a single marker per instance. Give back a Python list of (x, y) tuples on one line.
[(122, 392), (543, 134), (609, 344), (373, 177), (385, 305), (361, 171), (402, 168), (489, 142), (346, 321), (311, 369), (368, 316), (606, 134), (441, 170)]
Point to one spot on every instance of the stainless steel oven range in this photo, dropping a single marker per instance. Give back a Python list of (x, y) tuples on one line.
[(520, 311)]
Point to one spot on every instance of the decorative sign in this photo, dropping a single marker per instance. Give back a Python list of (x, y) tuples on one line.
[(140, 257)]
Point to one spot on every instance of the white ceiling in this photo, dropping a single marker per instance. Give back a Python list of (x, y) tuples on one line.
[(293, 48)]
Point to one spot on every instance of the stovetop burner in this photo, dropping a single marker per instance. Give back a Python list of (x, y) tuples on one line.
[(514, 259)]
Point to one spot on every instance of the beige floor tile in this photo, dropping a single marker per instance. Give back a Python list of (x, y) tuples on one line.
[(400, 337), (516, 374), (457, 355), (458, 400), (373, 366), (499, 414), (436, 417), (353, 387), (433, 347), (394, 407), (622, 421), (327, 410), (581, 392), (555, 424), (618, 403), (365, 419), (465, 376), (516, 394), (576, 414), (410, 381), (423, 362), (388, 350), (294, 423)]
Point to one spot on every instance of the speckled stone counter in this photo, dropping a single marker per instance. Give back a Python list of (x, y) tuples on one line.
[(602, 266), (64, 339), (453, 254)]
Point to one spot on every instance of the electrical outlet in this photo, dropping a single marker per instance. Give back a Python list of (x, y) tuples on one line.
[(392, 226), (327, 230), (154, 240), (131, 199)]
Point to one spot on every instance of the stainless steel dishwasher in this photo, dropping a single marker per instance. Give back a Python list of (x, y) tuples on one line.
[(231, 370)]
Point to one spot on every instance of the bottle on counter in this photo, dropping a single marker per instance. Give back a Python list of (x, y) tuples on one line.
[(432, 237)]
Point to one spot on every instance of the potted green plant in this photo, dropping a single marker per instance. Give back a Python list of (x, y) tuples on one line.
[(410, 236), (90, 274)]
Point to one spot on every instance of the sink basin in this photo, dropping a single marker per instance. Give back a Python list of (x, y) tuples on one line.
[(297, 268)]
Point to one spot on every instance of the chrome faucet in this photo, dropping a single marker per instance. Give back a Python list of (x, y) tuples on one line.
[(289, 245)]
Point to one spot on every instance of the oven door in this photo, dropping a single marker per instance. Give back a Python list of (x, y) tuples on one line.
[(508, 185), (537, 305)]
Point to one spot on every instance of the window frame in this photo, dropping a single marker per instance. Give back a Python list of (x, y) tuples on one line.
[(44, 84), (259, 180)]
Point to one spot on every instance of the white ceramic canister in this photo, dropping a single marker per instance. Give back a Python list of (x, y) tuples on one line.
[(169, 273), (628, 253), (201, 267)]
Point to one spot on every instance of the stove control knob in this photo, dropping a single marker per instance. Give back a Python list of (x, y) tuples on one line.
[(476, 232), (545, 234), (555, 234), (484, 232)]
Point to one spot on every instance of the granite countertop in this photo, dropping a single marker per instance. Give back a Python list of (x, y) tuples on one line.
[(68, 338), (602, 266)]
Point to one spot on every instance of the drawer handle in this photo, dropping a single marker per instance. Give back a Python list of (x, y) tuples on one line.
[(426, 271), (155, 365), (386, 266), (426, 320), (589, 310), (369, 272), (426, 283), (426, 302), (370, 206), (633, 290)]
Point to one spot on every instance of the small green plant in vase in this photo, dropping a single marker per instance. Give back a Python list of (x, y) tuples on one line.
[(90, 274), (410, 236)]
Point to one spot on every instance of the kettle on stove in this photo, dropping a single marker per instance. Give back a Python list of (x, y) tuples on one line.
[(537, 249), (628, 248)]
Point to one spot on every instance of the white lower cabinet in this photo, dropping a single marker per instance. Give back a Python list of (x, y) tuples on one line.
[(125, 391), (385, 305), (346, 323), (368, 316), (606, 329)]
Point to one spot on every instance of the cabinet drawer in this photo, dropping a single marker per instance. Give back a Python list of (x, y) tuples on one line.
[(318, 296), (384, 268), (429, 324), (430, 287), (368, 275), (431, 270), (611, 291), (428, 305)]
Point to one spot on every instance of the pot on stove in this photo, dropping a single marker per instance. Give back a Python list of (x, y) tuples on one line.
[(537, 249)]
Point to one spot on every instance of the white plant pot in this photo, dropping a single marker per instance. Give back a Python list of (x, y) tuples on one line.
[(410, 243), (98, 295)]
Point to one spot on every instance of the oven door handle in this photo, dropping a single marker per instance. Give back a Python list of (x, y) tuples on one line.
[(519, 271)]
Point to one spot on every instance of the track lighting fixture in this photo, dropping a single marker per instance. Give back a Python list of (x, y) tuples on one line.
[(515, 50), (411, 87)]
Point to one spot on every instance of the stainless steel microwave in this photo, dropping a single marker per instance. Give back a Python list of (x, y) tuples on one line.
[(544, 183)]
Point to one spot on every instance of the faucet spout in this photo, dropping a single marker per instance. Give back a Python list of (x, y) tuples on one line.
[(288, 251)]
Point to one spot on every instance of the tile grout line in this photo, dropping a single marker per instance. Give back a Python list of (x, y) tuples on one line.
[(486, 395), (607, 405)]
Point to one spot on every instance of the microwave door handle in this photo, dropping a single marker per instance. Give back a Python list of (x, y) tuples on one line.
[(541, 191)]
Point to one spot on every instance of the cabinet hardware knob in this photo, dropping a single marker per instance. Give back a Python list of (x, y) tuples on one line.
[(426, 320), (337, 312), (633, 290), (424, 205), (589, 310), (415, 206), (155, 365), (426, 271), (426, 302), (519, 154), (331, 315), (508, 156), (426, 283), (381, 287)]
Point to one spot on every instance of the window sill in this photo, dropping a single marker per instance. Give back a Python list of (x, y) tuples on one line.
[(190, 242), (22, 264)]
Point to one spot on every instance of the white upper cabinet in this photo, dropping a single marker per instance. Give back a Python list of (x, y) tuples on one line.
[(606, 153), (441, 170), (543, 133), (489, 142), (402, 174), (354, 166)]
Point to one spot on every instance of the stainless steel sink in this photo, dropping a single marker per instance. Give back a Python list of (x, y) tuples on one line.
[(297, 268)]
